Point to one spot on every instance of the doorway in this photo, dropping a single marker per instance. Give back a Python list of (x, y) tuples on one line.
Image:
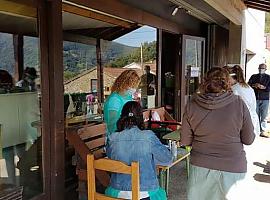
[(193, 67)]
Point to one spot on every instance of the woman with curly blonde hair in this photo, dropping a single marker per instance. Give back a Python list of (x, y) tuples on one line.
[(122, 90)]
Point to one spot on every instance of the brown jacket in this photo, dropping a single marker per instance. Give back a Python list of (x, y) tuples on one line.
[(217, 127)]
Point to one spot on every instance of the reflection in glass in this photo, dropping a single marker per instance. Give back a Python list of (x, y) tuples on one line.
[(80, 81), (194, 64), (20, 121)]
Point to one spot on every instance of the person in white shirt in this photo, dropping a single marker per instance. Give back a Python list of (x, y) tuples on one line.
[(241, 88)]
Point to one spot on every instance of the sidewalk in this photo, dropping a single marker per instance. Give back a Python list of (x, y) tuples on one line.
[(255, 186)]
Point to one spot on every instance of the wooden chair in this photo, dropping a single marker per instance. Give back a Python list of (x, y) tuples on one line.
[(115, 167), (85, 140), (11, 192)]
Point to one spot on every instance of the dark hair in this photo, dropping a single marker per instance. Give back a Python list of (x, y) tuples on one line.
[(147, 67), (6, 80), (31, 72), (237, 74), (131, 116), (216, 81), (262, 66)]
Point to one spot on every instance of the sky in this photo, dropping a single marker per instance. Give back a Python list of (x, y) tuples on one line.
[(141, 35)]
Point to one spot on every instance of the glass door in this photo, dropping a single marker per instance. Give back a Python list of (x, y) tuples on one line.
[(21, 147), (193, 60)]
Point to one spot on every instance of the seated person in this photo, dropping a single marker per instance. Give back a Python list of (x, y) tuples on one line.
[(131, 143), (6, 80), (28, 79)]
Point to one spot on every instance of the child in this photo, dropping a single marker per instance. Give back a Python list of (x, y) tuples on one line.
[(132, 143)]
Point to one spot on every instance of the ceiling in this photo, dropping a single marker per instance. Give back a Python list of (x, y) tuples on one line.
[(164, 9), (263, 5), (89, 27), (73, 22), (76, 20)]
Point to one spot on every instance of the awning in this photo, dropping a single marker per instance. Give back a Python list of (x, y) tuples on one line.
[(263, 5)]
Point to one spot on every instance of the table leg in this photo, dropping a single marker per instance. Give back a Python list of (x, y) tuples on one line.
[(167, 181), (162, 178), (187, 165), (188, 149)]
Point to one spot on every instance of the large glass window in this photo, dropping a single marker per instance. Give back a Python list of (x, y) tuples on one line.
[(138, 53), (21, 153), (80, 82)]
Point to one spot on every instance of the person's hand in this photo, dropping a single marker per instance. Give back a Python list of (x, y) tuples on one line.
[(259, 86), (262, 87)]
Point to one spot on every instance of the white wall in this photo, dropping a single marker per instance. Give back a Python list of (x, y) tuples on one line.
[(253, 39)]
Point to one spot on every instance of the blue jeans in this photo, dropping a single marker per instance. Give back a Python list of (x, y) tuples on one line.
[(262, 111)]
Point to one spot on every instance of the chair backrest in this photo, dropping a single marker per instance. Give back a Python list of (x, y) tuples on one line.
[(88, 139), (114, 167), (11, 193), (94, 138)]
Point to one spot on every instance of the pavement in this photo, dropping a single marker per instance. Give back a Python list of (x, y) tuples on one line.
[(256, 185)]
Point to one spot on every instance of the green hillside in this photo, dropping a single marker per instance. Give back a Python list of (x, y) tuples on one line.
[(77, 57), (148, 51)]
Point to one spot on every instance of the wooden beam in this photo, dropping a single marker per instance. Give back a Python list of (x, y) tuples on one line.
[(259, 2), (119, 9), (51, 43), (94, 15), (99, 73), (259, 5), (231, 9), (18, 55), (45, 98), (258, 8), (159, 66), (79, 38), (14, 8), (32, 3)]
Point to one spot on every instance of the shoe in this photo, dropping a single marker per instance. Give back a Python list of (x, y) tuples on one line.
[(265, 134)]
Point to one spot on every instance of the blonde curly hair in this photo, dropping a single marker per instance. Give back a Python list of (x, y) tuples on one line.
[(127, 79)]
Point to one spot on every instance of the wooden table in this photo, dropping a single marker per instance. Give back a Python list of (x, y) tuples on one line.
[(182, 153), (84, 119), (174, 136)]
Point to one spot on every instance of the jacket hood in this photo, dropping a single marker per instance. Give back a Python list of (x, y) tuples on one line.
[(214, 101)]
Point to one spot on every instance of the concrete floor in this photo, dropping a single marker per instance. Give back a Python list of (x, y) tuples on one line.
[(255, 186)]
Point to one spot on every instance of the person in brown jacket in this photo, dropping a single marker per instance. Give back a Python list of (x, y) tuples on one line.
[(216, 123)]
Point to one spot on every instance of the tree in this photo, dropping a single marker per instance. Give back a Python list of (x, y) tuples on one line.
[(149, 54)]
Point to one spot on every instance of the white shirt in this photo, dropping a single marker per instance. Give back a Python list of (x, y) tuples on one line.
[(248, 96)]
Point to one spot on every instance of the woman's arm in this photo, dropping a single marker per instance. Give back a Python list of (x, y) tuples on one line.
[(160, 151), (186, 130), (247, 132), (113, 108), (112, 120)]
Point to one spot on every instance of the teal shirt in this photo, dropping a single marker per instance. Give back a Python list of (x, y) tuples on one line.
[(112, 110)]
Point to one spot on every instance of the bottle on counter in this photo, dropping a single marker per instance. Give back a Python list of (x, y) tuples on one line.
[(174, 149)]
